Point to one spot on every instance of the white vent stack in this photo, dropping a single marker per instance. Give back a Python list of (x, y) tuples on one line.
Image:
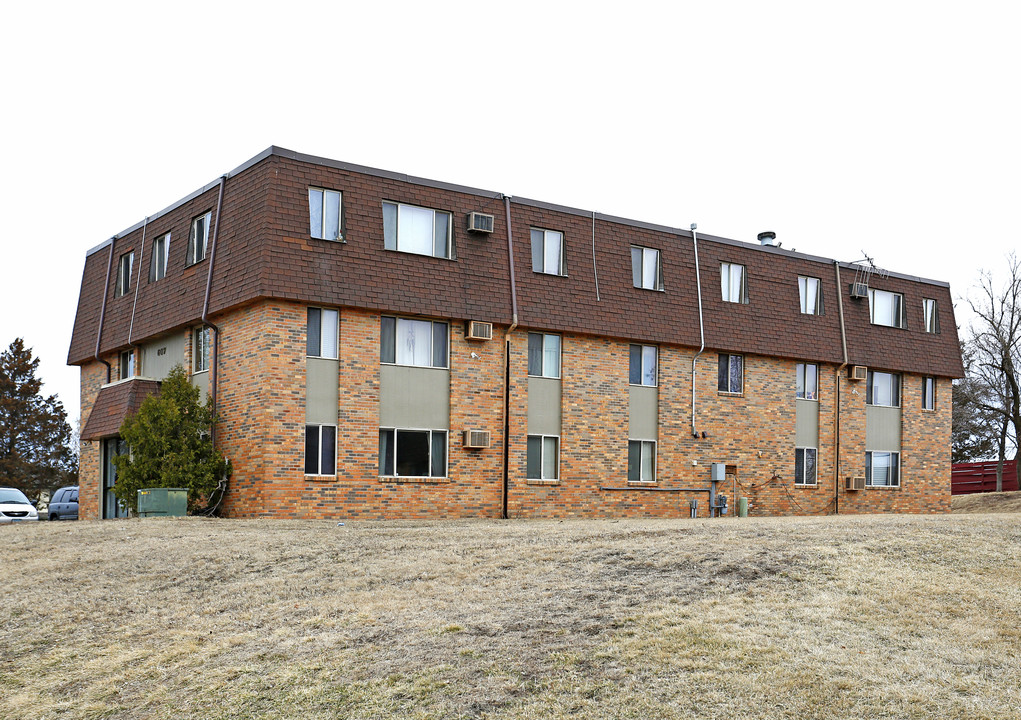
[(768, 238)]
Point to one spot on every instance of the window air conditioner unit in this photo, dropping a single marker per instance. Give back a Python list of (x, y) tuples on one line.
[(480, 330), (858, 372), (480, 222), (859, 290), (854, 483), (476, 439)]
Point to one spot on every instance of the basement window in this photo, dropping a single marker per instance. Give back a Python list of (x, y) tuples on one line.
[(543, 457), (417, 230), (641, 461), (882, 469), (412, 453), (805, 466), (320, 450)]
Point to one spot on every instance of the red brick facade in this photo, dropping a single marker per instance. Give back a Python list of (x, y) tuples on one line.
[(268, 270)]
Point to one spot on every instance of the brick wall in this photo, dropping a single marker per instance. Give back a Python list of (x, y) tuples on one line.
[(93, 376)]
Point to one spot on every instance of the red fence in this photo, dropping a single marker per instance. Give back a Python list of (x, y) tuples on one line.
[(978, 477)]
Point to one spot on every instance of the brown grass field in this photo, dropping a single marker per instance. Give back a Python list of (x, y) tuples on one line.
[(834, 617)]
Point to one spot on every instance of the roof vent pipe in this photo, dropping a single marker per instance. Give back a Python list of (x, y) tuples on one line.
[(767, 238)]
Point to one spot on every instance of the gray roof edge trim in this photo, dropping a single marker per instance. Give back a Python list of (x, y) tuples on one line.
[(387, 174), (101, 246), (187, 198)]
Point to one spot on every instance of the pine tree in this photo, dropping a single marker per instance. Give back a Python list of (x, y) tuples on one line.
[(35, 438), (170, 444)]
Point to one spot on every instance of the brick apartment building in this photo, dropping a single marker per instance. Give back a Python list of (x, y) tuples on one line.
[(383, 346)]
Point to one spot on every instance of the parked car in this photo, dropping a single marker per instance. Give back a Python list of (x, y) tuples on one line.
[(15, 507), (64, 503)]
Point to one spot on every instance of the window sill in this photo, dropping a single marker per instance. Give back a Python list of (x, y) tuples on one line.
[(641, 385), (545, 377), (413, 480), (542, 272), (320, 478), (199, 372), (533, 481), (416, 254), (806, 486), (882, 487), (811, 399), (929, 410), (724, 393), (339, 241), (662, 290), (642, 483)]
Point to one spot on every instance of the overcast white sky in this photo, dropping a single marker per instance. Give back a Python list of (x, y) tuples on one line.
[(890, 128)]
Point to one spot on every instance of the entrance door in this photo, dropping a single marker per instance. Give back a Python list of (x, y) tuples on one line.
[(112, 507)]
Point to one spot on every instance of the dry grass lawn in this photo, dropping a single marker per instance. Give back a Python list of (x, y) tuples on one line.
[(836, 617), (987, 502)]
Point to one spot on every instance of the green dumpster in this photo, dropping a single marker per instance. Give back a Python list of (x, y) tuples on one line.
[(162, 502)]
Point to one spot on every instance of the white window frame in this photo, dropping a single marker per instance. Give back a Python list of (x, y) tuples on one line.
[(392, 239), (895, 381), (160, 257), (327, 226), (397, 431), (807, 383), (928, 392), (802, 479), (544, 443), (893, 464), (401, 323), (730, 360), (648, 365), (646, 268), (646, 450), (550, 355), (126, 364), (124, 267), (320, 447), (735, 292), (200, 349), (545, 241), (896, 300), (810, 295), (329, 330), (930, 315), (197, 253)]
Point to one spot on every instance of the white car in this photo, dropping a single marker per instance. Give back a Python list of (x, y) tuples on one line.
[(15, 507)]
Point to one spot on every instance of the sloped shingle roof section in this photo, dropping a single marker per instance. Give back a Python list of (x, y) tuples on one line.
[(113, 404)]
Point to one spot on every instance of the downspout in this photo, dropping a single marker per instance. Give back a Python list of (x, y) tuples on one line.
[(138, 282), (701, 327), (506, 361), (836, 407), (205, 305), (595, 274), (102, 311)]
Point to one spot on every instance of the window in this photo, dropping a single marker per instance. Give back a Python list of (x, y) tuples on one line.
[(733, 284), (882, 469), (548, 252), (198, 239), (127, 364), (543, 355), (805, 466), (928, 393), (124, 274), (422, 343), (808, 381), (731, 373), (321, 340), (412, 453), (811, 296), (646, 270), (642, 368), (883, 389), (543, 457), (160, 255), (320, 450), (200, 349), (641, 461), (324, 213), (930, 315), (418, 230), (886, 308)]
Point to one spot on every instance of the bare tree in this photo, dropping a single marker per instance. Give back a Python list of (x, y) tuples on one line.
[(995, 345)]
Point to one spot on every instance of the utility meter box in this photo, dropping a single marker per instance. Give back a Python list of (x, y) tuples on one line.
[(163, 502), (719, 472)]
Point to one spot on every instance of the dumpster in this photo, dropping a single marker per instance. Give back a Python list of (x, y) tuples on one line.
[(162, 502)]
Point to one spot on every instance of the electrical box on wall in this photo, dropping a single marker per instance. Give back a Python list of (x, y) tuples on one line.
[(718, 472)]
